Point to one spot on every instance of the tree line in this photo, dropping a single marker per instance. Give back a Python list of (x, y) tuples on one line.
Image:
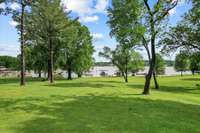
[(56, 40), (50, 38)]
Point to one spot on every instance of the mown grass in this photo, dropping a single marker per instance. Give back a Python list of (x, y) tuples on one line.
[(100, 105)]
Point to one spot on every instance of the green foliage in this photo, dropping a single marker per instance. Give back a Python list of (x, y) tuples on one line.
[(124, 58), (182, 62), (195, 62), (123, 21), (186, 35), (1, 9), (36, 58), (136, 62), (160, 65), (9, 62), (77, 49), (44, 27)]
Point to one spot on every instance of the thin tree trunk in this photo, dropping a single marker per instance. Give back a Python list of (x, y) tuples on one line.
[(126, 71), (153, 60), (51, 76), (69, 74), (181, 73), (48, 69), (79, 75), (193, 72), (39, 74), (148, 80), (126, 77), (155, 81), (149, 57), (22, 59)]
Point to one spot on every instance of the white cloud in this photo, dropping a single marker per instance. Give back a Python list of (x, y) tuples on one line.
[(97, 36), (14, 6), (79, 6), (99, 47), (85, 8), (13, 23), (10, 50), (89, 19), (2, 6), (101, 5), (172, 11)]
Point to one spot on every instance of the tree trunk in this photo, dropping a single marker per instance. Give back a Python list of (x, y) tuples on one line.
[(149, 57), (193, 72), (126, 76), (39, 74), (79, 75), (181, 73), (153, 60), (69, 71), (155, 81), (51, 76), (126, 71), (22, 59), (48, 69)]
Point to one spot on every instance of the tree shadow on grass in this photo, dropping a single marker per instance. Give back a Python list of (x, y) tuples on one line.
[(109, 81), (17, 80), (172, 89), (191, 79), (180, 89), (102, 114), (80, 85)]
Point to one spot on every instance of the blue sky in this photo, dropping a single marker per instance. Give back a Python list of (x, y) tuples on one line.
[(92, 13)]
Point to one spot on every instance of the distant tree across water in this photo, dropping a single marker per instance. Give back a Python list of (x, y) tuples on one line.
[(9, 62)]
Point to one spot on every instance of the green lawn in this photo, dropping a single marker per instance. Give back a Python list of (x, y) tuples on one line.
[(100, 105)]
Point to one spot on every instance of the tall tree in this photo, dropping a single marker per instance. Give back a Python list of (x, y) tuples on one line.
[(154, 17), (19, 16), (185, 36), (77, 49), (140, 19), (122, 18), (48, 22)]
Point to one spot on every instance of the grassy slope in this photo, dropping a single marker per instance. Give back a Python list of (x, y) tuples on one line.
[(100, 105)]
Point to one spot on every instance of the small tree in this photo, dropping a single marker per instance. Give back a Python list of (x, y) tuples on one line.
[(160, 65), (124, 58), (181, 62), (195, 62), (136, 63)]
